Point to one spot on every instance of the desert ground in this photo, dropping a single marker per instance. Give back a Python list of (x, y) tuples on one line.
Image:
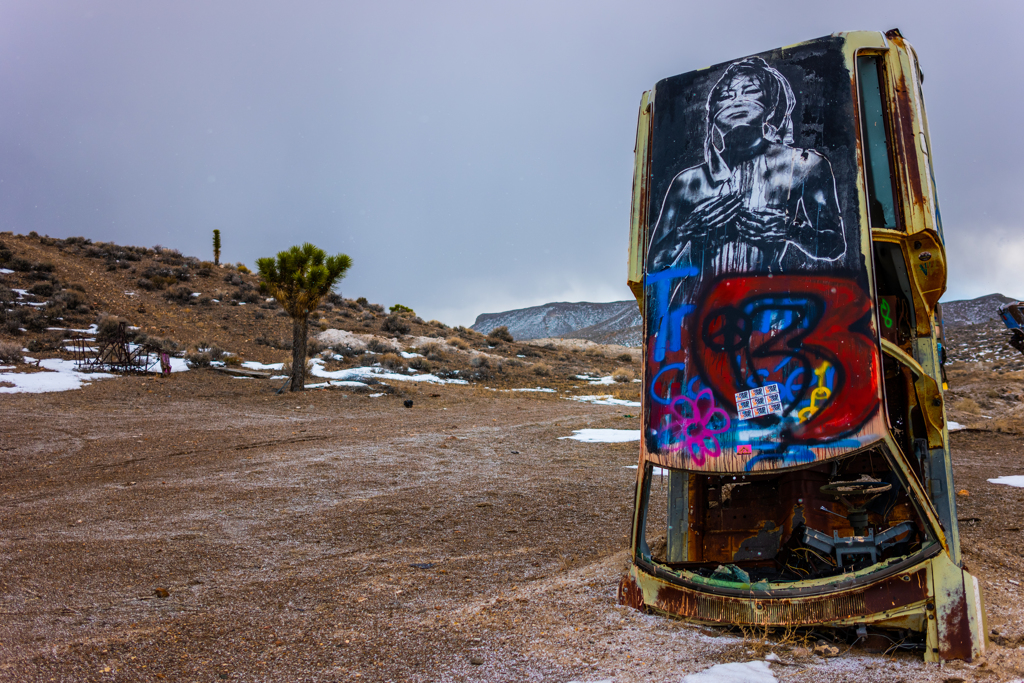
[(204, 528)]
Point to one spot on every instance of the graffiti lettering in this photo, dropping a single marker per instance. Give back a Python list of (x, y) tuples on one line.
[(756, 330)]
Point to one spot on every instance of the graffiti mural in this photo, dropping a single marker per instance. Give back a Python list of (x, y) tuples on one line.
[(761, 346)]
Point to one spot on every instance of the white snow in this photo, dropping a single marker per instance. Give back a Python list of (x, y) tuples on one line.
[(540, 389), (955, 426), (5, 271), (255, 365), (1010, 480), (605, 400), (375, 395), (407, 354), (60, 376), (734, 672), (377, 373), (604, 435)]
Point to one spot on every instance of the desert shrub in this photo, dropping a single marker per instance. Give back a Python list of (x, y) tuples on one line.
[(459, 344), (392, 361), (420, 364), (378, 346), (72, 300), (243, 269), (433, 351), (531, 352), (205, 300), (362, 301), (233, 361), (367, 316), (396, 324), (314, 346), (179, 295), (968, 405), (12, 326), (107, 326), (624, 358), (550, 346), (541, 370), (10, 352), (399, 308), (163, 281), (479, 362), (198, 359), (248, 295), (44, 267), (622, 375), (32, 319), (233, 279), (146, 284), (41, 289), (376, 308), (501, 333), (5, 256), (438, 324), (513, 362), (22, 265)]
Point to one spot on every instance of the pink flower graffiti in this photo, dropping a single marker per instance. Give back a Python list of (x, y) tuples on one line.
[(698, 428)]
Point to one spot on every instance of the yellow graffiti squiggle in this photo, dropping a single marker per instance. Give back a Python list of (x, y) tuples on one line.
[(820, 393)]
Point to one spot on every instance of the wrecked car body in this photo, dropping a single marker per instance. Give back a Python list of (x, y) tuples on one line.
[(1012, 315), (786, 252)]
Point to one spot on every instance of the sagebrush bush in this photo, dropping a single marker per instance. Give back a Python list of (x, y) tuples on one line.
[(395, 324), (41, 289), (622, 375), (179, 295), (459, 344), (420, 364), (479, 362), (392, 361), (433, 351), (198, 359), (501, 333), (379, 346), (10, 352), (624, 358), (541, 370)]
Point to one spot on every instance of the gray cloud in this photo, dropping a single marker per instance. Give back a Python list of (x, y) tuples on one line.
[(470, 157)]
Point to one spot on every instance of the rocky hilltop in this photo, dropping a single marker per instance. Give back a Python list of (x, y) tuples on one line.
[(616, 322)]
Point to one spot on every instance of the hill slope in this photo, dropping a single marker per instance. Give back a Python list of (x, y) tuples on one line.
[(604, 323)]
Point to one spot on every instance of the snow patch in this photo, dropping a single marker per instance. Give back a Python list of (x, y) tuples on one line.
[(1010, 480), (604, 435), (61, 375), (255, 365), (954, 426), (734, 672), (605, 400)]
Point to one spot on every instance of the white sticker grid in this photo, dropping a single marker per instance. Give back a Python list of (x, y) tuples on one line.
[(758, 402)]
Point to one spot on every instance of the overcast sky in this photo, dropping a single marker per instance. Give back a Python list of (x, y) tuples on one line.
[(469, 156)]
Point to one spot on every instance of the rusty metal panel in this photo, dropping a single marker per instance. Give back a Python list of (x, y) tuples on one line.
[(638, 210)]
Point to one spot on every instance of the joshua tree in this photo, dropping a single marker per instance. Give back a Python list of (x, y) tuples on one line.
[(299, 279), (216, 247)]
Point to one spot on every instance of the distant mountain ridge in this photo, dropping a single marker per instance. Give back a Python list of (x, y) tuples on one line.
[(983, 309), (616, 322)]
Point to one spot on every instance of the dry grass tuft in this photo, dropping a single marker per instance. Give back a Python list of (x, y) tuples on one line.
[(541, 370), (622, 375)]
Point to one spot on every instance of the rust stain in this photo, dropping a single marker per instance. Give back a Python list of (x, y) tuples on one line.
[(954, 627), (904, 108), (885, 596), (630, 594)]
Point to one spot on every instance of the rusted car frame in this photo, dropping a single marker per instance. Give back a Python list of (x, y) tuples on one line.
[(786, 252)]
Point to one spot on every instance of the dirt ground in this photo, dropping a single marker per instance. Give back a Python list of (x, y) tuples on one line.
[(202, 528)]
